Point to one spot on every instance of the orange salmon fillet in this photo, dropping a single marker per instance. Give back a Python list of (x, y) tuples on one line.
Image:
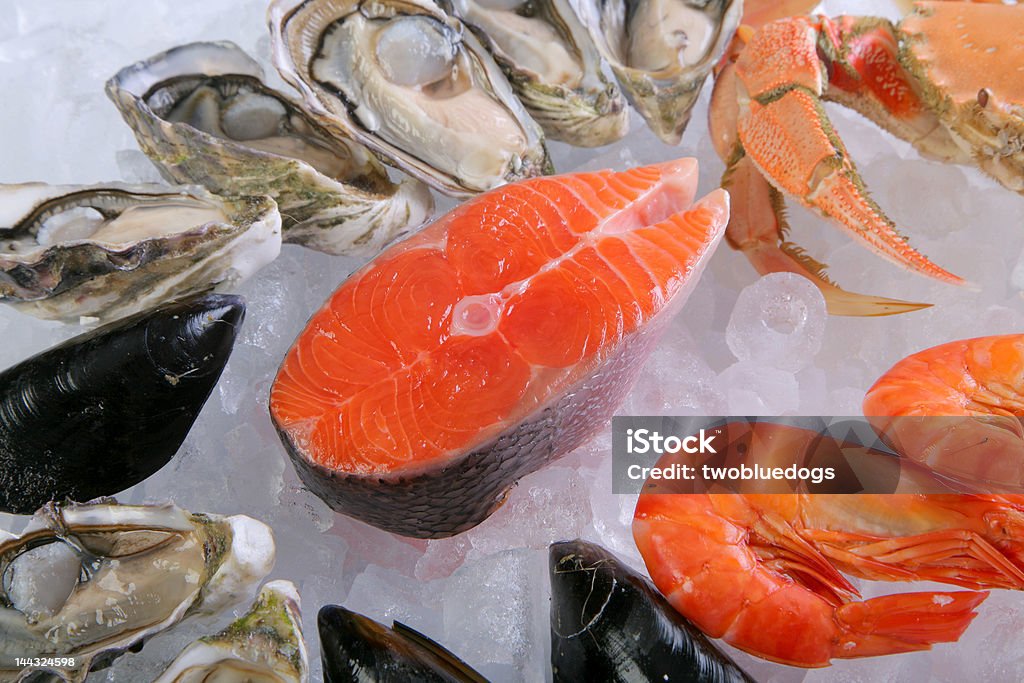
[(459, 334)]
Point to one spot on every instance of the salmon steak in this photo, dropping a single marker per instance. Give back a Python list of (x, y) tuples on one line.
[(497, 339)]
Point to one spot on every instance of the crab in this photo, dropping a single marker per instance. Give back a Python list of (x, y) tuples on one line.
[(949, 79)]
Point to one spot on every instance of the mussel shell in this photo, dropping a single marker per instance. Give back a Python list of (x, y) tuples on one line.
[(355, 648), (104, 410), (355, 211), (608, 623)]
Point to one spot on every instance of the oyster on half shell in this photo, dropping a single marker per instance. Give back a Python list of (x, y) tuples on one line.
[(84, 582), (553, 66), (264, 645), (204, 115), (412, 84), (661, 51), (107, 251)]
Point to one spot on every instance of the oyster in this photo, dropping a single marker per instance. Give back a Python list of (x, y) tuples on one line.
[(553, 66), (110, 250), (409, 82), (265, 645), (661, 51), (106, 409), (203, 114), (84, 582)]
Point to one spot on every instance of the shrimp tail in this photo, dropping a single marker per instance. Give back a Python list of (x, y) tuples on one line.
[(904, 622)]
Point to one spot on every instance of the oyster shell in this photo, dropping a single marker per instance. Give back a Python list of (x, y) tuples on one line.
[(553, 67), (84, 582), (409, 82), (108, 251), (204, 115), (661, 51), (265, 645)]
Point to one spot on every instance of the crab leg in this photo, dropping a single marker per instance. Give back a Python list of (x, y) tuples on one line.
[(785, 132), (757, 225)]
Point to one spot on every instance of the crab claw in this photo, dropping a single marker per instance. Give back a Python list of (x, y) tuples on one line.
[(783, 130), (757, 225)]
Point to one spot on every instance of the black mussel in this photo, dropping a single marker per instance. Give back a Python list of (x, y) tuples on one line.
[(355, 648), (106, 409), (608, 623)]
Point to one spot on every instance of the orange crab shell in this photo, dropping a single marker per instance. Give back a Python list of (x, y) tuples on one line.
[(969, 61)]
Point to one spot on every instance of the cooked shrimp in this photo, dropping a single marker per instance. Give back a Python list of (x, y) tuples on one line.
[(979, 385), (763, 571)]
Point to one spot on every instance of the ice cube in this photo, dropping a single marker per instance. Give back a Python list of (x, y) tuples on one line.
[(676, 380), (385, 595), (778, 321), (751, 388), (496, 615), (546, 506)]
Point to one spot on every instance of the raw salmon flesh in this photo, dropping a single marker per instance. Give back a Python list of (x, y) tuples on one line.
[(500, 337)]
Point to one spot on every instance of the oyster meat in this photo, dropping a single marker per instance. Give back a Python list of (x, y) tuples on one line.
[(85, 582), (661, 51), (553, 66), (106, 409), (107, 251), (265, 645), (412, 84), (204, 115)]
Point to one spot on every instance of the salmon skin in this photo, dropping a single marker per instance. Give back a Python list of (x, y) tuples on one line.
[(497, 339)]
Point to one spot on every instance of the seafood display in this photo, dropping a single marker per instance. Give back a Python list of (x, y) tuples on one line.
[(265, 644), (957, 408), (105, 251), (609, 624), (204, 115), (85, 582), (354, 648), (733, 564), (412, 84), (495, 340), (457, 389), (661, 51), (942, 79), (108, 408), (552, 65)]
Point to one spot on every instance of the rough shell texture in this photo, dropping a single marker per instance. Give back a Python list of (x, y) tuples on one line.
[(128, 247), (471, 136), (104, 410), (968, 60), (258, 141), (662, 87), (553, 66), (265, 644), (87, 581)]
